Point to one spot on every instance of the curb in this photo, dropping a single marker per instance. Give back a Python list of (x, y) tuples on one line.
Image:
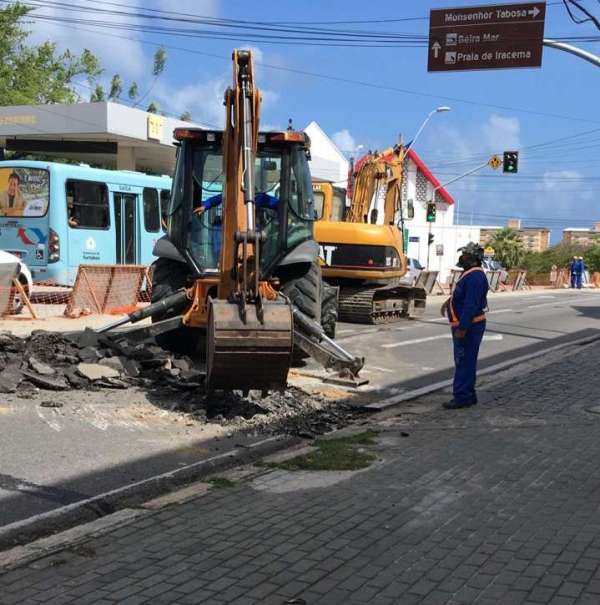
[(390, 402), (17, 535)]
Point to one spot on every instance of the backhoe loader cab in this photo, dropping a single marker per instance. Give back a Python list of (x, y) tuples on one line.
[(283, 194)]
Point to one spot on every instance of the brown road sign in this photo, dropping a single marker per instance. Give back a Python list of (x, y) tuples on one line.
[(486, 37)]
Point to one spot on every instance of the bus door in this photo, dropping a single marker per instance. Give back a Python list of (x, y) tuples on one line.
[(126, 228)]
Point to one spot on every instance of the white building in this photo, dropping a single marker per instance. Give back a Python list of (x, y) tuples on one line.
[(418, 186), (327, 161)]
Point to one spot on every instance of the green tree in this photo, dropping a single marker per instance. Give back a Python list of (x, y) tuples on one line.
[(186, 116), (508, 247), (153, 107), (592, 258), (133, 91), (116, 87), (37, 74), (160, 59), (560, 255), (98, 94)]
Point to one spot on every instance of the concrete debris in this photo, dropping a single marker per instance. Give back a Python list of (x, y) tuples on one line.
[(88, 361), (95, 371), (10, 379), (51, 404), (40, 368), (55, 383)]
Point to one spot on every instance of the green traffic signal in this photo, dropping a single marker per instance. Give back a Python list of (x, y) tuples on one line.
[(510, 162), (431, 212)]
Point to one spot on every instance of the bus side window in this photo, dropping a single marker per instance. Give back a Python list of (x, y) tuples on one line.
[(87, 205), (165, 199), (151, 211)]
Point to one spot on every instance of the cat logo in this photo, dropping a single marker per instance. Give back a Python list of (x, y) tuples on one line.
[(325, 254)]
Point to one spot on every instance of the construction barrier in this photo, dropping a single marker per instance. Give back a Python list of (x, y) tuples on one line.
[(98, 289), (107, 289), (519, 282), (493, 278), (8, 272), (454, 277), (426, 280)]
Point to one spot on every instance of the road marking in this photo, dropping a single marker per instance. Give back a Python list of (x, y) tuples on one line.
[(380, 369), (500, 311), (493, 337), (415, 341)]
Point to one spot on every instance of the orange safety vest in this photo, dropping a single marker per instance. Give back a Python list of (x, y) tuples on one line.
[(453, 319)]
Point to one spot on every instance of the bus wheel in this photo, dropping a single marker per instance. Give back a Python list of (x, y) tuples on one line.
[(168, 277)]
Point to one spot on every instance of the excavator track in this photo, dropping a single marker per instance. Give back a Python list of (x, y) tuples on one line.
[(386, 304)]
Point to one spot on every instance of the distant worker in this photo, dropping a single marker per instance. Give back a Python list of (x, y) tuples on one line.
[(580, 272), (12, 202), (573, 270), (465, 310)]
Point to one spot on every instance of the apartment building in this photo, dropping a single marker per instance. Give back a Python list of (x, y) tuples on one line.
[(535, 239), (581, 237)]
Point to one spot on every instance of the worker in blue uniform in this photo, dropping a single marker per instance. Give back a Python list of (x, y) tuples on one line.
[(574, 265), (465, 310), (580, 270)]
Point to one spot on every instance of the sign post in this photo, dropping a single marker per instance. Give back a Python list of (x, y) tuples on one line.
[(486, 37)]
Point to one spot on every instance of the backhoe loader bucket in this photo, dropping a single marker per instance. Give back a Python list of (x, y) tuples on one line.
[(250, 354)]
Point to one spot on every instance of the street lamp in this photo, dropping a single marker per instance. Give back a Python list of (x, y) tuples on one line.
[(440, 109)]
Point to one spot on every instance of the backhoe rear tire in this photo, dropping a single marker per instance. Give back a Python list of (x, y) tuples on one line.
[(168, 277)]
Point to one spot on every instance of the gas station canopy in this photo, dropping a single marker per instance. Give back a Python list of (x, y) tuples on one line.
[(114, 135)]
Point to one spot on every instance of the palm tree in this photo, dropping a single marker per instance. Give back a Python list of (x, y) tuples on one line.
[(508, 247)]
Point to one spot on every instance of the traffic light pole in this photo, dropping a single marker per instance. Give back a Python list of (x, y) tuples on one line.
[(569, 48), (443, 187)]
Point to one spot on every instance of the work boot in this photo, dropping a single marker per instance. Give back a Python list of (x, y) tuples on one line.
[(455, 405)]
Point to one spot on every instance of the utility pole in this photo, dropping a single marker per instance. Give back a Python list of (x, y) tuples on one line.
[(569, 48)]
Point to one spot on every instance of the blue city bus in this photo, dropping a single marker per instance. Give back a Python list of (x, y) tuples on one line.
[(57, 216)]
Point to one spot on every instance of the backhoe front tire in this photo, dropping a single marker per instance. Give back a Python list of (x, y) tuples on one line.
[(329, 309), (303, 285), (168, 277)]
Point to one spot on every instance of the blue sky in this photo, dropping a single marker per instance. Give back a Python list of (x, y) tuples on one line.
[(558, 184)]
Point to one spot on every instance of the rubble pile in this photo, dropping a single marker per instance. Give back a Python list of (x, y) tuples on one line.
[(86, 360)]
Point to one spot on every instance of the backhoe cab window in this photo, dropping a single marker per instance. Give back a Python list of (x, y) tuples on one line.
[(283, 196)]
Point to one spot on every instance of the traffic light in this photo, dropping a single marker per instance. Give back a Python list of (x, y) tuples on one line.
[(431, 238), (431, 212), (511, 162)]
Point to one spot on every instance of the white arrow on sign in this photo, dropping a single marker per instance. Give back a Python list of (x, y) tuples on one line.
[(436, 49), (534, 12)]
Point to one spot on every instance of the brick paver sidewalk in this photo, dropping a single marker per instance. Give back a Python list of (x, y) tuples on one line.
[(493, 505)]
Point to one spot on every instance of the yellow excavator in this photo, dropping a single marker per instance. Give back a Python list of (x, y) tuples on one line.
[(362, 258), (237, 280)]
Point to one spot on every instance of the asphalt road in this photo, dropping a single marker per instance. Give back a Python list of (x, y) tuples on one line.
[(412, 354), (97, 442)]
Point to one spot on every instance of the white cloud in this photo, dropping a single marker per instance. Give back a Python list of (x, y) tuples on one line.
[(501, 133), (121, 54), (204, 101), (344, 140)]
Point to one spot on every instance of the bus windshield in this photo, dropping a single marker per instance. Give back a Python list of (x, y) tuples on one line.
[(24, 192)]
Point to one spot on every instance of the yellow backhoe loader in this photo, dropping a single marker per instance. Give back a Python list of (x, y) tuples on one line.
[(362, 258), (238, 279)]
